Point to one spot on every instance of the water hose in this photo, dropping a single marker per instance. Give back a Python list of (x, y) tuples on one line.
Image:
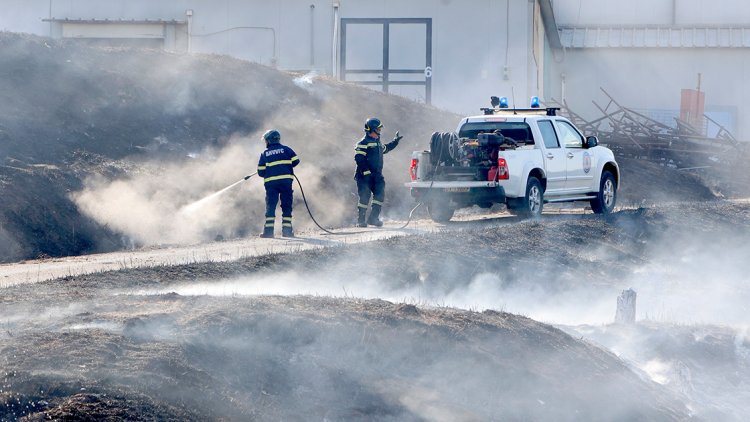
[(304, 199)]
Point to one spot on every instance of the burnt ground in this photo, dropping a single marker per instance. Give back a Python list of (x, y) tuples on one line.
[(493, 322), (213, 341)]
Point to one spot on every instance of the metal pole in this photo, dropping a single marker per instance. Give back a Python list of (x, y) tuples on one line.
[(312, 36), (335, 43), (50, 18), (189, 14)]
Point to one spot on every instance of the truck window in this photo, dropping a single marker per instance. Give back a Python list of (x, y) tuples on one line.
[(569, 135), (518, 131), (548, 134)]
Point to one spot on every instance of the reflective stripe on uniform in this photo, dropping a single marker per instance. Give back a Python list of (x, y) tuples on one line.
[(278, 162), (360, 152), (372, 145), (261, 167), (286, 225), (269, 225), (367, 172), (283, 176), (295, 158), (362, 206), (376, 202), (286, 218)]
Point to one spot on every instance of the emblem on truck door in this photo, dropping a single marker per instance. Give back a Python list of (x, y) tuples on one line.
[(586, 162)]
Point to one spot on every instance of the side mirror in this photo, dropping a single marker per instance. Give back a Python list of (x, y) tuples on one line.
[(591, 141)]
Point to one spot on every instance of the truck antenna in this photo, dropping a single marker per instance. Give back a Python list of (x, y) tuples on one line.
[(513, 94)]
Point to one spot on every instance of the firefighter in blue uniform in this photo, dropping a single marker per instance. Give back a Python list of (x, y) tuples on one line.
[(368, 154), (276, 168)]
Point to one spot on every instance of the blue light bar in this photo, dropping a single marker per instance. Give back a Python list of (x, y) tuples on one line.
[(535, 102), (503, 102)]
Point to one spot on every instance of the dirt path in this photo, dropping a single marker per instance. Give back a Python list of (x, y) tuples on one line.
[(46, 269), (34, 271)]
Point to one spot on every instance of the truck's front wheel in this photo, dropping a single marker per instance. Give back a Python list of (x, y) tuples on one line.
[(530, 206), (440, 211), (607, 195)]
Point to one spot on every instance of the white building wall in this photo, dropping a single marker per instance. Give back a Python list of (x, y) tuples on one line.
[(652, 78), (472, 46), (652, 12)]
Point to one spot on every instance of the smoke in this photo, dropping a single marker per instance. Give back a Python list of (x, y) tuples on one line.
[(696, 279), (319, 121), (484, 291), (683, 280), (152, 207)]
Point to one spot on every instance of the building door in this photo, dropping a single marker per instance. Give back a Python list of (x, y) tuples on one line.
[(392, 55)]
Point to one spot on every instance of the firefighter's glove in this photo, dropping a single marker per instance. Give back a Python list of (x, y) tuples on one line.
[(396, 139)]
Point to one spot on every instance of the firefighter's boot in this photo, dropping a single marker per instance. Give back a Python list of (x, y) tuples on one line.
[(361, 217), (286, 227), (267, 232), (374, 219)]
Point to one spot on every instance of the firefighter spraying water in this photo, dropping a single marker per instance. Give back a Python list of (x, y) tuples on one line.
[(276, 167)]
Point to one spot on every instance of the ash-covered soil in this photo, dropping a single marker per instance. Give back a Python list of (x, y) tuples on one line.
[(424, 327)]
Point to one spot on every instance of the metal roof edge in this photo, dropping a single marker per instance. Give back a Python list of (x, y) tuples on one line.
[(116, 21)]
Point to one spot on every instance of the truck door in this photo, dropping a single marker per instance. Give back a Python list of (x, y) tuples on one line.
[(578, 160), (554, 158)]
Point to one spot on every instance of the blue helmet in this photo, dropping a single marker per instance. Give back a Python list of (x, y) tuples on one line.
[(372, 123), (272, 136)]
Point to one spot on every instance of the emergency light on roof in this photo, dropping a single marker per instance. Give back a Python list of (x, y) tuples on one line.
[(500, 105), (501, 102)]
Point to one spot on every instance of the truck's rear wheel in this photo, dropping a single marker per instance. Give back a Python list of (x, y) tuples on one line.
[(530, 206), (605, 200), (440, 212)]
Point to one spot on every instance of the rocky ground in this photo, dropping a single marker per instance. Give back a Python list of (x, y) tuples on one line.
[(498, 319)]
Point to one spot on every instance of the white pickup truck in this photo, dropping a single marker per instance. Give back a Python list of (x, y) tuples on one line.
[(523, 158)]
